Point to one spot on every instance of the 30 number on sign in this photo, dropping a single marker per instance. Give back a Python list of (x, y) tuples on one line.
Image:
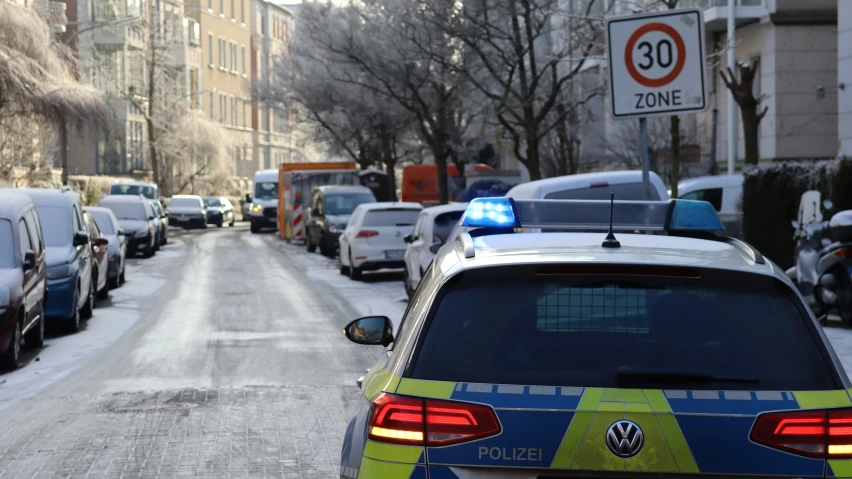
[(655, 56)]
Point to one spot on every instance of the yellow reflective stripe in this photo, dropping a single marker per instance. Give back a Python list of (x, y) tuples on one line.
[(840, 468), (677, 443), (584, 443), (657, 400), (393, 452), (372, 469), (572, 440), (821, 399), (378, 380), (426, 389)]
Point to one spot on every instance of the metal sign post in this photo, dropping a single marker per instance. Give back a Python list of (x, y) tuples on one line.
[(656, 67)]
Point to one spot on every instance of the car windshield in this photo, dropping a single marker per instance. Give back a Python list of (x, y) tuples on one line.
[(444, 224), (7, 244), (145, 190), (391, 217), (127, 211), (55, 225), (215, 202), (266, 190), (598, 328), (185, 203), (623, 191), (345, 203), (104, 222)]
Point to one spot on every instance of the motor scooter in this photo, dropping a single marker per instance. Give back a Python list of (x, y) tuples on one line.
[(823, 269)]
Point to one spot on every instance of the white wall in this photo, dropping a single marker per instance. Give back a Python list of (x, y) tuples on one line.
[(844, 75)]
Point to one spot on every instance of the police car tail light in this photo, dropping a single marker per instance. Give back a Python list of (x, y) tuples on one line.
[(367, 234), (819, 434), (414, 421)]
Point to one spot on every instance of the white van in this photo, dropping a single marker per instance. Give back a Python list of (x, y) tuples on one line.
[(263, 207), (722, 191), (626, 185)]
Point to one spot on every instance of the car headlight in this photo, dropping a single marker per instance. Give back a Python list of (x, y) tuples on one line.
[(59, 271), (333, 229), (142, 233), (256, 208)]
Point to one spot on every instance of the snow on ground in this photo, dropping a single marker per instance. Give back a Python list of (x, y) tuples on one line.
[(63, 353), (380, 293)]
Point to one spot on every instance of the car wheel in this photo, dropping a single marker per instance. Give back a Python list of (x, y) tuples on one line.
[(344, 270), (12, 357), (354, 272), (254, 228), (308, 245), (35, 338), (325, 249), (121, 278), (89, 308), (104, 292), (233, 220), (73, 322)]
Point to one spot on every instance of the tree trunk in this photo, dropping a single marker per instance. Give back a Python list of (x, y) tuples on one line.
[(533, 162), (674, 173), (63, 150), (441, 162), (750, 136), (152, 151), (389, 160), (566, 147)]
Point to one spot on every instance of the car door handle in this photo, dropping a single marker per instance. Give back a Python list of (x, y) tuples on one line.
[(360, 382)]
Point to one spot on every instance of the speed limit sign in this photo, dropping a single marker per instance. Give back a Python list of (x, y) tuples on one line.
[(656, 63)]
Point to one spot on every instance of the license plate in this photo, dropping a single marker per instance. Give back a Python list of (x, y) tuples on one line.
[(396, 254)]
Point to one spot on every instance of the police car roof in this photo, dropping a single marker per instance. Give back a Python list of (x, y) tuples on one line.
[(540, 188), (448, 208), (551, 247), (386, 205)]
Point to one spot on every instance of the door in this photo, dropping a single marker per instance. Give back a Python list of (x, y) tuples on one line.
[(387, 229), (40, 270), (99, 253), (30, 277), (439, 233), (315, 221), (415, 249), (84, 255)]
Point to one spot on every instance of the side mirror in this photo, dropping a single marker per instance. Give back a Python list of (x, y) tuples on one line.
[(248, 198), (101, 242), (29, 260), (81, 239), (370, 330), (796, 224), (827, 204), (122, 232), (435, 247), (408, 239)]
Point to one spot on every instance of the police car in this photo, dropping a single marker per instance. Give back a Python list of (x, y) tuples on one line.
[(585, 354)]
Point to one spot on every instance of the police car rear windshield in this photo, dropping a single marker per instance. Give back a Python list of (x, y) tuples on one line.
[(515, 325), (391, 217)]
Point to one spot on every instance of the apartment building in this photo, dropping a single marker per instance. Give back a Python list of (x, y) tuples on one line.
[(272, 29), (226, 56), (114, 40), (844, 78)]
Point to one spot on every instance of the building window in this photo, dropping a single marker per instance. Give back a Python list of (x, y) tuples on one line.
[(221, 7), (209, 4), (210, 47), (210, 105), (242, 11), (244, 59), (222, 52), (245, 105), (232, 9)]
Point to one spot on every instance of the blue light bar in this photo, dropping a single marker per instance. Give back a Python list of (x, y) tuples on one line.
[(490, 213), (691, 215), (592, 215)]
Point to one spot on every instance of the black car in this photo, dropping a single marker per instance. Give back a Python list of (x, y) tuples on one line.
[(220, 211), (328, 213)]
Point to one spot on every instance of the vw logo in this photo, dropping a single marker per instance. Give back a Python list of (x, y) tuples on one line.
[(624, 438), (398, 234)]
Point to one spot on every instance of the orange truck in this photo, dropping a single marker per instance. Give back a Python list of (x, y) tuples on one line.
[(295, 183), (420, 182)]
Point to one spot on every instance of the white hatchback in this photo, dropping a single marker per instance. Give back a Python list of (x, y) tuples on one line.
[(374, 237), (431, 231)]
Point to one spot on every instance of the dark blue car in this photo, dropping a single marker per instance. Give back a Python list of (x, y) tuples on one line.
[(70, 289)]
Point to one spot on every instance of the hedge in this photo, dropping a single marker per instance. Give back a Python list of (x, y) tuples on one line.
[(771, 195)]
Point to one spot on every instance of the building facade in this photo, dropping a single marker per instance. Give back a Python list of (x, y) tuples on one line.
[(844, 78), (272, 29), (225, 54)]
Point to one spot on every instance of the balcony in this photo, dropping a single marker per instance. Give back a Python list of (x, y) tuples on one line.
[(716, 12), (186, 55), (55, 16)]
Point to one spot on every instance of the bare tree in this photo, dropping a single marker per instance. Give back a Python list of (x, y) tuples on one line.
[(741, 86), (523, 58)]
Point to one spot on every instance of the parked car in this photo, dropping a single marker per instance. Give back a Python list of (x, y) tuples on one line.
[(68, 254), (110, 229), (136, 218), (23, 277), (430, 232), (722, 191), (187, 211), (148, 190), (100, 256), (220, 211), (626, 185), (328, 213), (373, 239), (162, 224)]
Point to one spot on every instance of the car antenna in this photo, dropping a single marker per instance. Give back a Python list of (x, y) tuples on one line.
[(610, 241)]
